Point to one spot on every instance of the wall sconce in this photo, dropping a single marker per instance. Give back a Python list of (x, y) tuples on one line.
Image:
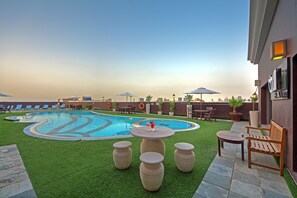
[(278, 50), (173, 97), (102, 99), (257, 83), (130, 98)]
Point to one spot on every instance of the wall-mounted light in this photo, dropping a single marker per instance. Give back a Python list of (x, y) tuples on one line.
[(103, 99), (173, 97), (279, 50), (257, 83)]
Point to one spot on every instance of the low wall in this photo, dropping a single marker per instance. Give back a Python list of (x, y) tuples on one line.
[(222, 109)]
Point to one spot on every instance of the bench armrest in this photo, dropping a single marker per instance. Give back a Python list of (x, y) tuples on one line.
[(256, 128)]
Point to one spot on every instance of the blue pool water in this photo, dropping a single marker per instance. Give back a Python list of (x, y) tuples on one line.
[(173, 124), (86, 125)]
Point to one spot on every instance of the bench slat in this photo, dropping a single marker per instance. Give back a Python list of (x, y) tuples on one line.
[(277, 150), (264, 146)]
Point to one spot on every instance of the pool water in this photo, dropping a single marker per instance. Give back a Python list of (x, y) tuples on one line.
[(87, 125), (173, 124)]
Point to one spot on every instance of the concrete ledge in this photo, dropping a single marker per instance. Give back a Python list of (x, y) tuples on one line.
[(14, 180)]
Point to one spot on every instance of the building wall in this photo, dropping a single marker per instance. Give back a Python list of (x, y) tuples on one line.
[(284, 26)]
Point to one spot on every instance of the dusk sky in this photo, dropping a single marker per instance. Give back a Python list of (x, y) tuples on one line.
[(54, 49)]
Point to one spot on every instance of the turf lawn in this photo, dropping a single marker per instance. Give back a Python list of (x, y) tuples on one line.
[(86, 169)]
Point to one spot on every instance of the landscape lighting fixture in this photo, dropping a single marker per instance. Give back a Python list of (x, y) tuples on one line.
[(278, 50), (254, 96)]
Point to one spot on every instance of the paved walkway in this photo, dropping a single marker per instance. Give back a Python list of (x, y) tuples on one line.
[(14, 180), (229, 176)]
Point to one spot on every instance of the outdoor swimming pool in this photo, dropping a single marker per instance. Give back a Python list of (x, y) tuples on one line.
[(86, 125)]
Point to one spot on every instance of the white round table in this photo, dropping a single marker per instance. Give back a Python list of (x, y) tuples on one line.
[(152, 140)]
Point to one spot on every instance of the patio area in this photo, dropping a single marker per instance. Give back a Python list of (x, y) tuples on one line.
[(229, 176)]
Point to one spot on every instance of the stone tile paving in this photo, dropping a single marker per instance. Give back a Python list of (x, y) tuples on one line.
[(14, 180), (228, 176)]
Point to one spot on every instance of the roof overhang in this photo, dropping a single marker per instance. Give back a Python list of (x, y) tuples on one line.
[(261, 17)]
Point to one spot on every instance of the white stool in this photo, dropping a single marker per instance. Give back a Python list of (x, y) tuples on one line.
[(184, 156), (122, 154), (151, 170)]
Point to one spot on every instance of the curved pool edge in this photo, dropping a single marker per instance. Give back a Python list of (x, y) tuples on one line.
[(136, 124), (31, 131), (12, 118)]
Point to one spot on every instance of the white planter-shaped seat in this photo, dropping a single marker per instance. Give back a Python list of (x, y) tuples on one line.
[(122, 154), (254, 119), (184, 156), (151, 170)]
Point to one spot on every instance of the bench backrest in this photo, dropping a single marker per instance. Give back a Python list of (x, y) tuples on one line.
[(277, 133)]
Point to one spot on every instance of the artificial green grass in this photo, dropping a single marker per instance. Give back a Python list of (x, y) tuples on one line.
[(291, 184), (86, 169)]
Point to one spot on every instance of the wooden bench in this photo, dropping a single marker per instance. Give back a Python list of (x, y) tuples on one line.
[(271, 144)]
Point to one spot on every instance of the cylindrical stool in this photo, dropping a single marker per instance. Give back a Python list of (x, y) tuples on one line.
[(151, 170), (184, 156), (122, 154)]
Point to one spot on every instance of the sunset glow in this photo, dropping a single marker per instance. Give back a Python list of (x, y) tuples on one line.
[(54, 49)]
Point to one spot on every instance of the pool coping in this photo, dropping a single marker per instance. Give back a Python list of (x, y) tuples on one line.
[(31, 130), (12, 118), (15, 181)]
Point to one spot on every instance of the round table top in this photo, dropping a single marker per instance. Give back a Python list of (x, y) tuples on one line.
[(158, 133), (122, 144), (184, 146), (151, 158), (230, 136)]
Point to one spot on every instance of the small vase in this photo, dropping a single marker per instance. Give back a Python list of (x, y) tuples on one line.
[(189, 111)]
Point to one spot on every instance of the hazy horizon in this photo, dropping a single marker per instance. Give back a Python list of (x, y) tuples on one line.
[(54, 49)]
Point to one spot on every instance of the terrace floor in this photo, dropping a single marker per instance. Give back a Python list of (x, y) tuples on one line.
[(229, 176), (14, 180)]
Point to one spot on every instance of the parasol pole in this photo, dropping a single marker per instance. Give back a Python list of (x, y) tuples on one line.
[(201, 101)]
